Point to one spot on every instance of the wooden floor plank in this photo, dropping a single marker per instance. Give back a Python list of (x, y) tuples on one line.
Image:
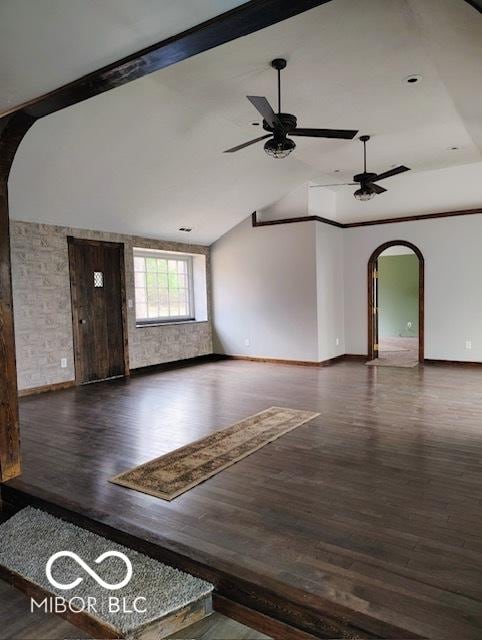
[(374, 507)]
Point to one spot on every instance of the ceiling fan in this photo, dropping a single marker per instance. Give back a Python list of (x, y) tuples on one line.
[(281, 125), (367, 181)]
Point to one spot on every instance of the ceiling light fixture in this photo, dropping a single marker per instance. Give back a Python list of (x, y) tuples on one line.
[(279, 148), (186, 229), (364, 194)]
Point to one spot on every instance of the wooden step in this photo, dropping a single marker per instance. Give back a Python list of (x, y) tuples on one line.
[(106, 589)]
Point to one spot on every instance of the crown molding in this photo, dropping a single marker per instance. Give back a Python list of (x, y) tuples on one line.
[(364, 223)]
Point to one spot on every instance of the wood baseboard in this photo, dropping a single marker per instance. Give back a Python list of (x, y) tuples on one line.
[(299, 363), (451, 363), (355, 357), (177, 364), (46, 388), (330, 361)]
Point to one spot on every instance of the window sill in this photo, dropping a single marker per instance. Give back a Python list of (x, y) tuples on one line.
[(146, 325)]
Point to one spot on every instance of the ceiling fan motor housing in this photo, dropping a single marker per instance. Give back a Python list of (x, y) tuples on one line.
[(364, 177), (288, 121)]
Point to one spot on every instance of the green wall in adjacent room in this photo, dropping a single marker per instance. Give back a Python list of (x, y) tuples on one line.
[(398, 295)]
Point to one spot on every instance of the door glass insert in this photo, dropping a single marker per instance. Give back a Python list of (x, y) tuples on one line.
[(98, 279)]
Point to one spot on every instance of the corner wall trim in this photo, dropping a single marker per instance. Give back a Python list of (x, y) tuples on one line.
[(364, 223)]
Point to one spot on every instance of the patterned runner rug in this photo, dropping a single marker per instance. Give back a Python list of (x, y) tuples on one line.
[(176, 472)]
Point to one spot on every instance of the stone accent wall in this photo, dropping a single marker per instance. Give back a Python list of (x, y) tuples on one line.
[(42, 308)]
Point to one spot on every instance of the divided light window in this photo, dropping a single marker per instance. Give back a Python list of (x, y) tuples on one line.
[(164, 286)]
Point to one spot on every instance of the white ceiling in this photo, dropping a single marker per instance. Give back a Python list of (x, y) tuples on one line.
[(45, 44), (147, 158)]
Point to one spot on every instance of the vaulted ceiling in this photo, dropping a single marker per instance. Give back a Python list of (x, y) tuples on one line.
[(147, 158), (45, 44)]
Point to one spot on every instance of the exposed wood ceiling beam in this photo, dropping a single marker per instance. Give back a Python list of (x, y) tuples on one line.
[(241, 21)]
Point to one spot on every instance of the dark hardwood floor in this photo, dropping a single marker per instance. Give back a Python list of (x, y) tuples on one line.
[(17, 622), (372, 511)]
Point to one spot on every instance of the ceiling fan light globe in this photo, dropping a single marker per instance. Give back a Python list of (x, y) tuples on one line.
[(279, 148), (364, 194)]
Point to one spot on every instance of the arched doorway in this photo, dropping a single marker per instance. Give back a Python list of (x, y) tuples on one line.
[(373, 309)]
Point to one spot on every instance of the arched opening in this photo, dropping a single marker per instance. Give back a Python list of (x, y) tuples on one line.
[(374, 295)]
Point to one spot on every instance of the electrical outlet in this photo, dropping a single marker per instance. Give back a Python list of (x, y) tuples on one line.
[(409, 325), (246, 342), (130, 303), (63, 363), (337, 342), (468, 344)]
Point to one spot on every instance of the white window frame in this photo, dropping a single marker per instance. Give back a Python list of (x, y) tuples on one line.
[(167, 255)]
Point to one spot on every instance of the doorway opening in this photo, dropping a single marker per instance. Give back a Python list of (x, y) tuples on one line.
[(97, 285), (396, 305)]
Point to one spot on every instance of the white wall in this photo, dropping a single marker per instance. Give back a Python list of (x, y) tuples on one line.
[(264, 290), (293, 205), (329, 284), (322, 202), (280, 287), (453, 283), (293, 289)]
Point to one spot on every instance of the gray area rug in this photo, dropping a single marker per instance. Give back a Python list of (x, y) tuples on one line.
[(176, 472), (31, 537)]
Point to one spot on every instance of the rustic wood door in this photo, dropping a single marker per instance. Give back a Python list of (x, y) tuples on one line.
[(97, 283)]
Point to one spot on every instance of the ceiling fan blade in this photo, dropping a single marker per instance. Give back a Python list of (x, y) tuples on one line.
[(338, 184), (247, 144), (265, 109), (392, 172), (343, 134), (375, 187)]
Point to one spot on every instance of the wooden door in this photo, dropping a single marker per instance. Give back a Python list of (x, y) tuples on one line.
[(97, 282)]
